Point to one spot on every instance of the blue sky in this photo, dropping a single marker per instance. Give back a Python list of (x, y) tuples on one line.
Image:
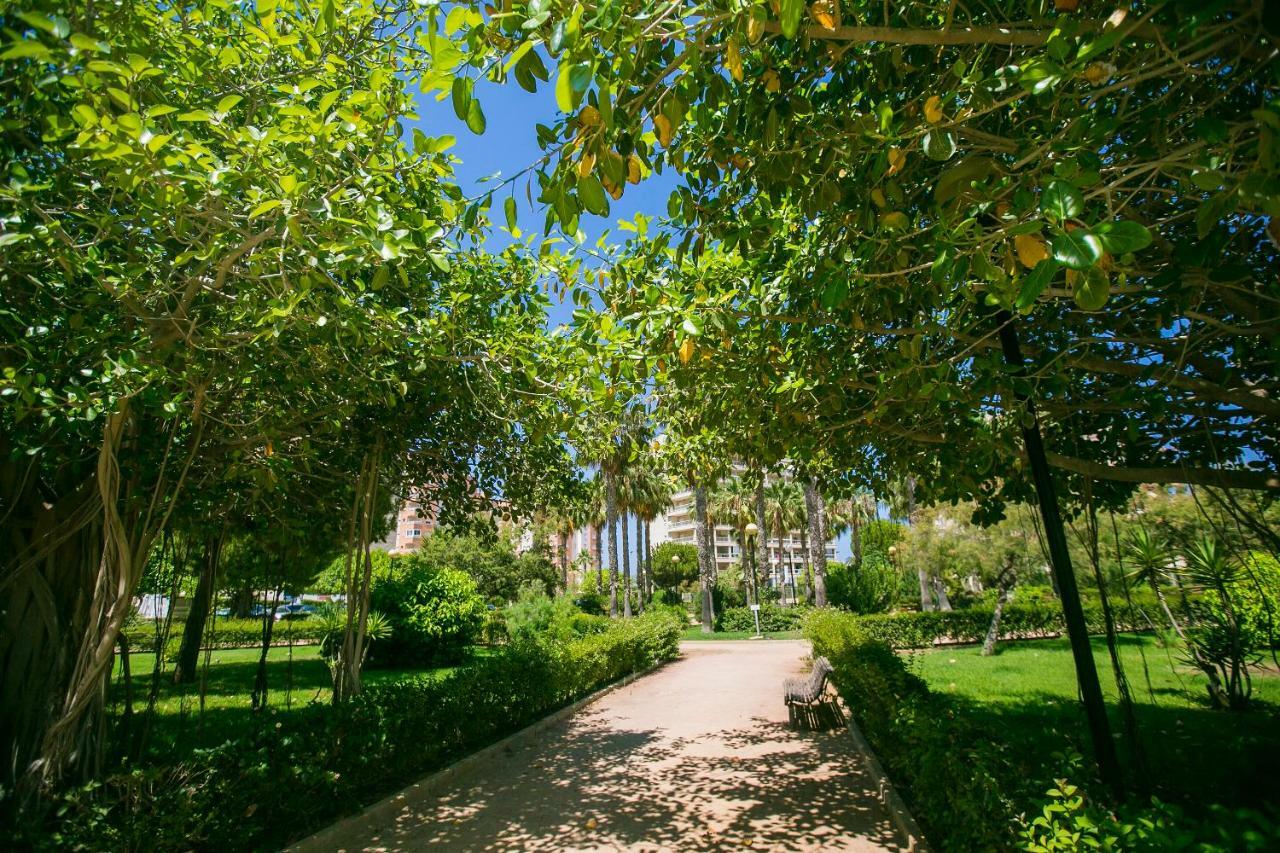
[(510, 144)]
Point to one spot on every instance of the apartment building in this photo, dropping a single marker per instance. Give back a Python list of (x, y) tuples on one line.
[(785, 554)]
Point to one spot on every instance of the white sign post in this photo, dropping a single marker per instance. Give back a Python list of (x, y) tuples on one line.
[(755, 612)]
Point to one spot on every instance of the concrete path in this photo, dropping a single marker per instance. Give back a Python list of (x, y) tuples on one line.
[(696, 756)]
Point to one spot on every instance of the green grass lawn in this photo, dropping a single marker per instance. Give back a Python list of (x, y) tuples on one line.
[(1026, 696), (218, 706), (695, 633)]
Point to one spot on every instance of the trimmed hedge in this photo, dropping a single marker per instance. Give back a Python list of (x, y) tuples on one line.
[(319, 763), (960, 785), (948, 769), (772, 618), (918, 630), (227, 634)]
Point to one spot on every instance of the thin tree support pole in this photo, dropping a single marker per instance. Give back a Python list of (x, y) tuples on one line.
[(1060, 559)]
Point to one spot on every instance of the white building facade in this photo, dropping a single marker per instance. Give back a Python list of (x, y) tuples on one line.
[(786, 557)]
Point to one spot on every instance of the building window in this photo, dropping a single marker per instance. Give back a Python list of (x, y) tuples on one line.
[(415, 532)]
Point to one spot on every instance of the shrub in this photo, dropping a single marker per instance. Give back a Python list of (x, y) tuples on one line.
[(670, 573), (591, 597), (434, 614), (324, 761), (918, 630), (536, 615), (225, 634), (948, 769), (877, 537), (869, 588), (1068, 821), (773, 618)]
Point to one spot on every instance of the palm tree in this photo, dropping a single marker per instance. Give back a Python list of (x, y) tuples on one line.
[(630, 431), (649, 495), (590, 514), (733, 504), (782, 507), (1150, 558), (850, 514)]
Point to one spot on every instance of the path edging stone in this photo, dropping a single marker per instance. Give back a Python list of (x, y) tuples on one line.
[(384, 811), (889, 796)]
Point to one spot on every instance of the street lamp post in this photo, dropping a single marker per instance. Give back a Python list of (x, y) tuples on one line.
[(751, 530)]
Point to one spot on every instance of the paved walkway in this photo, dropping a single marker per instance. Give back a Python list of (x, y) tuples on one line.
[(695, 756)]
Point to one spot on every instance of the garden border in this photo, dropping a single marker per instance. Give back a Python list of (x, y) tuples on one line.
[(888, 794), (383, 812)]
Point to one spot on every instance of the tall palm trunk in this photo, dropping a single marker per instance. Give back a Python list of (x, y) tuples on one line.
[(564, 559), (648, 559), (855, 534), (611, 522), (702, 536), (626, 566), (807, 562), (762, 536), (597, 555), (639, 563), (817, 523)]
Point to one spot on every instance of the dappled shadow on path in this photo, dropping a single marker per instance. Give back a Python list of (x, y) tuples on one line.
[(595, 787), (600, 782)]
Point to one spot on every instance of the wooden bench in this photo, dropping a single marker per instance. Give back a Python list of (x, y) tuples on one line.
[(807, 695)]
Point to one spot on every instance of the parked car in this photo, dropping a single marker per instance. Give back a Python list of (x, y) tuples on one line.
[(294, 611)]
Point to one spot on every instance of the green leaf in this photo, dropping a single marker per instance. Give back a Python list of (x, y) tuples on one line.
[(475, 118), (266, 207), (571, 84), (1061, 201), (1122, 237), (26, 50), (195, 116), (509, 206), (55, 26), (1034, 283), (1078, 249), (462, 87), (592, 195), (1092, 289), (228, 102), (939, 145), (792, 13), (10, 237)]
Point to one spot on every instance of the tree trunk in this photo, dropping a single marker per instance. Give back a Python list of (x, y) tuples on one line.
[(940, 595), (807, 562), (564, 560), (597, 555), (611, 522), (855, 536), (258, 700), (640, 552), (184, 671), (648, 560), (926, 590), (702, 536), (993, 630), (626, 566), (762, 537), (817, 523)]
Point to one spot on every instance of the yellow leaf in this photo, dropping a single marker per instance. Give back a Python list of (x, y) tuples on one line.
[(662, 127), (270, 449), (1098, 73), (634, 167), (755, 29), (687, 350), (586, 164), (771, 81), (733, 58), (933, 109), (615, 191), (1031, 249), (591, 823), (826, 13), (894, 221), (897, 159), (877, 196), (589, 117)]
